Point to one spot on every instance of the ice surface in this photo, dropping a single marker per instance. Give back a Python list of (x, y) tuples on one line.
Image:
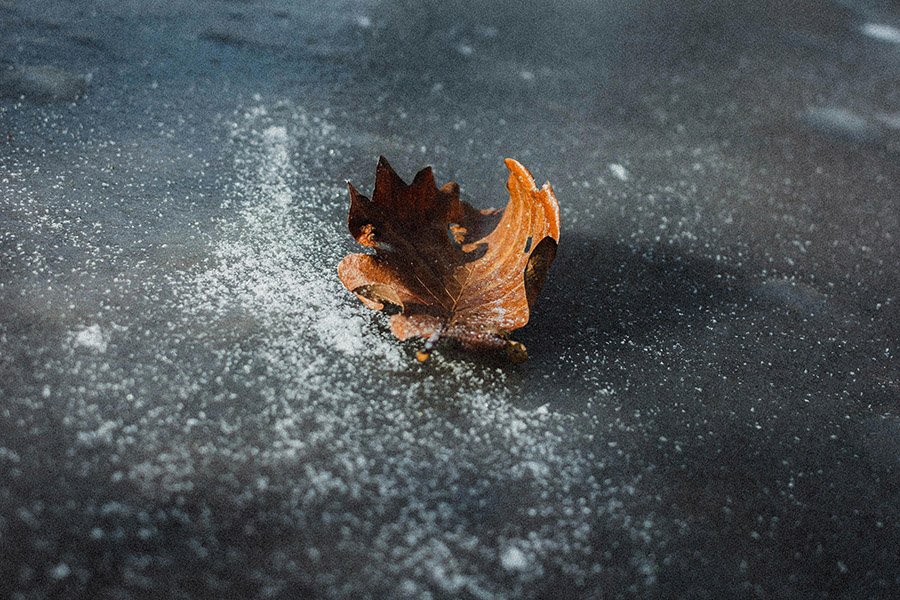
[(41, 83), (193, 406)]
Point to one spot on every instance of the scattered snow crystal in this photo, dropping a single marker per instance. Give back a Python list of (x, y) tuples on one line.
[(60, 571), (514, 559), (619, 171), (260, 384), (336, 381)]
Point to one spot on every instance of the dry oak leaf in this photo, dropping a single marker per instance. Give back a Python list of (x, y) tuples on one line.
[(444, 269)]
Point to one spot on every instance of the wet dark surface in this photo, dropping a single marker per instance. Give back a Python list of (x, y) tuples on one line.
[(192, 406)]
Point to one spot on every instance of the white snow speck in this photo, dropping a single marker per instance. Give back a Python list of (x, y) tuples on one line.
[(92, 338), (60, 571), (486, 31), (884, 33), (514, 559), (620, 172)]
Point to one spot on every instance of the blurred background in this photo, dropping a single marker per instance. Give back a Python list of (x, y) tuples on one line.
[(191, 406)]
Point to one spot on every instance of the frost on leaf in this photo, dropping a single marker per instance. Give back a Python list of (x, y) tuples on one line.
[(445, 270)]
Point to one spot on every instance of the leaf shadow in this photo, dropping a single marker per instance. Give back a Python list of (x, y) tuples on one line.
[(602, 294)]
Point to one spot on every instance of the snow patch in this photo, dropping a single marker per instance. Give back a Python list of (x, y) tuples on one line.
[(92, 338), (881, 32), (276, 262)]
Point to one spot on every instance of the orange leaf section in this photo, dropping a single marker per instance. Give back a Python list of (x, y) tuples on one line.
[(444, 269)]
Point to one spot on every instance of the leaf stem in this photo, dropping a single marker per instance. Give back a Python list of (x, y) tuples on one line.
[(425, 353)]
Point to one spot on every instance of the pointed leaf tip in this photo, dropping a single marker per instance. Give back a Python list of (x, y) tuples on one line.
[(386, 178), (425, 175), (516, 168)]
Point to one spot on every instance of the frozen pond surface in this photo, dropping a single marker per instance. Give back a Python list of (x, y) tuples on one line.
[(191, 405)]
